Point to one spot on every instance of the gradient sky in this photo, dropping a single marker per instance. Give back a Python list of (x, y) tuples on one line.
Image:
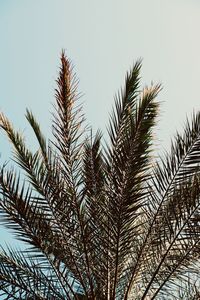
[(103, 39)]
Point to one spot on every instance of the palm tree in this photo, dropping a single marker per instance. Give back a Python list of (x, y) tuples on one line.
[(102, 221)]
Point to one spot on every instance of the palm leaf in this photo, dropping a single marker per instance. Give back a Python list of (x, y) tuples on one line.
[(128, 172), (102, 222), (31, 281)]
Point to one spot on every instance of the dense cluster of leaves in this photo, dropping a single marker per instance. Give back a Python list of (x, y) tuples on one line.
[(102, 222)]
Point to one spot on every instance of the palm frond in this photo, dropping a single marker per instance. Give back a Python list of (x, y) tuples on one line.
[(102, 222), (128, 173), (25, 279), (167, 209), (40, 137), (68, 119), (176, 241), (124, 102)]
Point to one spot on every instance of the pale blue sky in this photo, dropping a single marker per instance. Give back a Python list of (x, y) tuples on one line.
[(103, 39)]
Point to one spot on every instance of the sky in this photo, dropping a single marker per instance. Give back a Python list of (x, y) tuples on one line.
[(103, 39)]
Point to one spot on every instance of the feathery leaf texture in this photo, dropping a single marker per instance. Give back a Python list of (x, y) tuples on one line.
[(102, 221)]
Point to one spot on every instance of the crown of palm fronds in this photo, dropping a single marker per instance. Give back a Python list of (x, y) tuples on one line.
[(102, 222)]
